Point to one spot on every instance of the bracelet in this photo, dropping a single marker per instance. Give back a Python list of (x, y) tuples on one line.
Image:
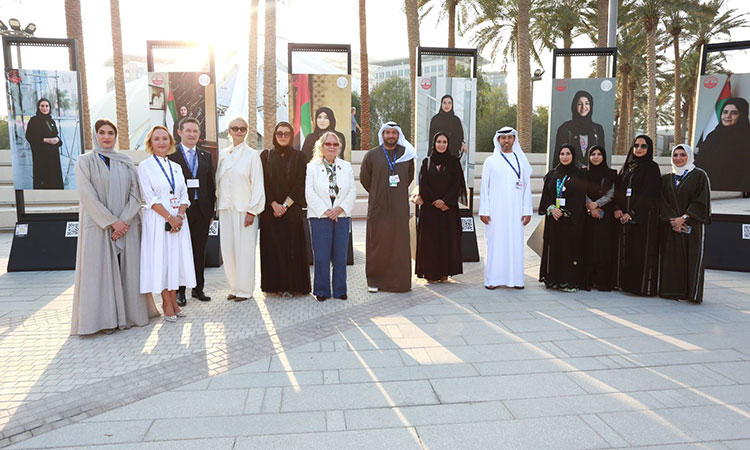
[(550, 208)]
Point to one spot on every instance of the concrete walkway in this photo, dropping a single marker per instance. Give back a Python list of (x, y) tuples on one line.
[(445, 366)]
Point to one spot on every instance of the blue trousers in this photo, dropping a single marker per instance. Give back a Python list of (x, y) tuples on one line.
[(330, 243)]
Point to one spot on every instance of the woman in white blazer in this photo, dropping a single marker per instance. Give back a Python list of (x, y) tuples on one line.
[(330, 193)]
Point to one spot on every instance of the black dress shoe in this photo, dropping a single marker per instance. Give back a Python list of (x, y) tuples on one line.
[(201, 296), (343, 297), (181, 300), (320, 298)]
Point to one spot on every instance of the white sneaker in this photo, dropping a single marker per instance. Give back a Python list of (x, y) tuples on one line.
[(170, 318), (181, 314), (372, 289)]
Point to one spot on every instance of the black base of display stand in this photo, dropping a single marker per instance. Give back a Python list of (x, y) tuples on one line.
[(728, 243), (469, 248), (42, 245), (213, 251)]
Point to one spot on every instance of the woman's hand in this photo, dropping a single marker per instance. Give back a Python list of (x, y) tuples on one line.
[(439, 204), (592, 206), (249, 219), (464, 147), (175, 222), (417, 199), (278, 210), (618, 213), (556, 213), (334, 213), (52, 140), (599, 214), (625, 218), (677, 222), (119, 229)]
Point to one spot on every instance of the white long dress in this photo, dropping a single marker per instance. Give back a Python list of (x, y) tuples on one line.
[(506, 205), (240, 191), (166, 257)]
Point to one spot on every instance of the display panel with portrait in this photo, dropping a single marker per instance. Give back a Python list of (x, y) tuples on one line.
[(722, 131)]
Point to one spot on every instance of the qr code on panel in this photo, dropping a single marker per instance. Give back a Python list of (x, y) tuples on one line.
[(467, 224), (71, 229), (213, 230), (746, 231)]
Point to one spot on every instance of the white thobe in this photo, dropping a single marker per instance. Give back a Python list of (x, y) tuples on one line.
[(166, 257), (506, 205), (239, 181)]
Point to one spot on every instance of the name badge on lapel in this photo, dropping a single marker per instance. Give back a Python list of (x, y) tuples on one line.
[(560, 202), (193, 183), (393, 180)]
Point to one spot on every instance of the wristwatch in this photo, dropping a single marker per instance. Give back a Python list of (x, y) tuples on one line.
[(685, 217), (285, 205)]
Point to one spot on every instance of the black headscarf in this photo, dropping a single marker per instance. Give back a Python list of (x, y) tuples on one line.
[(570, 168), (49, 114), (632, 162), (582, 124), (452, 168), (450, 124), (724, 137), (331, 121), (278, 147), (600, 178)]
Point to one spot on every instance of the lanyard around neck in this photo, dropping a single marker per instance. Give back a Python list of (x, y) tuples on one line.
[(517, 172), (171, 182), (391, 163)]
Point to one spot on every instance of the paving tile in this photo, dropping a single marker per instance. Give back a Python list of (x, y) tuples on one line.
[(389, 439), (234, 380), (431, 371), (172, 444), (580, 404), (360, 395), (80, 434), (225, 426), (425, 415), (458, 390), (643, 379), (337, 360), (558, 433)]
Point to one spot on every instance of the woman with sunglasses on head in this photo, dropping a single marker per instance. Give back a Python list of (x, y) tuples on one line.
[(637, 215), (563, 203), (685, 212), (330, 192), (283, 249), (241, 197)]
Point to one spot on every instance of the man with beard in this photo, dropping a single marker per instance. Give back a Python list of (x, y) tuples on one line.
[(386, 173)]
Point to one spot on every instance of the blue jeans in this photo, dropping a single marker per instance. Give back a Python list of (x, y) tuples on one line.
[(330, 243)]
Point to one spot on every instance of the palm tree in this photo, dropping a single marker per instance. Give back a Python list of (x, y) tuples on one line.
[(630, 42), (650, 13), (364, 78), (121, 99), (74, 28), (252, 77), (412, 30), (457, 13), (602, 27), (269, 74), (498, 24), (561, 20)]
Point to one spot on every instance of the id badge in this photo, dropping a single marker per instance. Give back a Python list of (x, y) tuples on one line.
[(193, 183), (393, 180), (629, 192), (174, 203), (559, 202), (519, 184)]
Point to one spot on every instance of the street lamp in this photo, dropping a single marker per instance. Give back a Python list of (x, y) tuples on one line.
[(534, 78), (16, 31)]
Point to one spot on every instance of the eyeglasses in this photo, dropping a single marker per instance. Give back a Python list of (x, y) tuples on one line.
[(331, 144), (238, 129), (641, 146), (281, 134)]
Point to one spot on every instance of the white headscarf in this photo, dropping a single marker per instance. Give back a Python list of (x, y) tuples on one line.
[(516, 147), (409, 151), (679, 171)]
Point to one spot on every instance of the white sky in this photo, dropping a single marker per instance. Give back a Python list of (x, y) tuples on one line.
[(226, 24)]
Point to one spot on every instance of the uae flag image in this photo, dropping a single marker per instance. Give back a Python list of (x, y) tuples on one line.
[(715, 119), (302, 108), (171, 113)]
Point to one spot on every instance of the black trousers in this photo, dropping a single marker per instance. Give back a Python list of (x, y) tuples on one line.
[(199, 224)]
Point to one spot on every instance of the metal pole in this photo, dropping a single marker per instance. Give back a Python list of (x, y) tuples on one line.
[(612, 35)]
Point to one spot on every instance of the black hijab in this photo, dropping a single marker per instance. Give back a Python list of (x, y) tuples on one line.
[(40, 113), (737, 134), (317, 132), (600, 178), (633, 162), (582, 124), (447, 122), (563, 169), (452, 168), (278, 147)]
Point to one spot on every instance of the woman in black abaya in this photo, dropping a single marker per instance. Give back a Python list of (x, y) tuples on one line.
[(725, 154), (564, 205), (324, 121), (42, 135), (599, 224), (581, 132), (283, 253), (446, 121), (637, 211), (441, 187)]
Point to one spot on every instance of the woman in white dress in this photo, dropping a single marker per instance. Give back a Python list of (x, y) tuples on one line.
[(166, 252), (240, 198)]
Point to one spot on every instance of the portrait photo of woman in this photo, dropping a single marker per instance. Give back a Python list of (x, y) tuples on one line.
[(325, 120), (446, 121), (580, 131), (45, 142), (725, 154)]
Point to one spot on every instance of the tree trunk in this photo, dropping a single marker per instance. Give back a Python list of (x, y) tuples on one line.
[(412, 30), (74, 28), (269, 74), (691, 119), (631, 116), (121, 99), (678, 137), (651, 71), (252, 77), (451, 5), (523, 115), (601, 38), (567, 43), (622, 130), (364, 140)]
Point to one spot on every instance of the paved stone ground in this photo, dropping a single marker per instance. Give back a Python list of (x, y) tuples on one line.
[(444, 366)]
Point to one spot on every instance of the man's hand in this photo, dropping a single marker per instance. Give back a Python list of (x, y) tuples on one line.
[(249, 219), (525, 220), (485, 219)]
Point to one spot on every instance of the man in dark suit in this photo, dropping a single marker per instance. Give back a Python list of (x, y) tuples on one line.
[(197, 166)]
